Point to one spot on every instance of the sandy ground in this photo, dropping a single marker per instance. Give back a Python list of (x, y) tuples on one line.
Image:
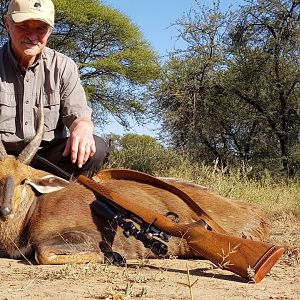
[(155, 279)]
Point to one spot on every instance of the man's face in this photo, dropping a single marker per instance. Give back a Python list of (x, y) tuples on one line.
[(28, 38)]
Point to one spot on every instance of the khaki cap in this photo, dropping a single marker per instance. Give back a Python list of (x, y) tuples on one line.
[(22, 10)]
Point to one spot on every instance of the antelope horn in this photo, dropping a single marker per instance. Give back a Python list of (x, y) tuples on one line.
[(3, 152), (31, 149)]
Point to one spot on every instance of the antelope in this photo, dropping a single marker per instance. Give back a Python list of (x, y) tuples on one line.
[(60, 226)]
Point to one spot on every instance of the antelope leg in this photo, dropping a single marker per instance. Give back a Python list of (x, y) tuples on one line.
[(69, 247)]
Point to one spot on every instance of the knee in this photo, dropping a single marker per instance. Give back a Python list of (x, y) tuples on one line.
[(102, 149)]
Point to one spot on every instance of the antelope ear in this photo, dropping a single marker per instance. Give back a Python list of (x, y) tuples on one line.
[(47, 184)]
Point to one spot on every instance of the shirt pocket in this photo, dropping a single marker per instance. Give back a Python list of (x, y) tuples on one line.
[(51, 101), (7, 113)]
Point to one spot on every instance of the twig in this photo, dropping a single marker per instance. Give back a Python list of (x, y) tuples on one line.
[(190, 285), (20, 251)]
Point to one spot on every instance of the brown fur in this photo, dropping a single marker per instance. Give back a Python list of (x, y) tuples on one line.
[(60, 227)]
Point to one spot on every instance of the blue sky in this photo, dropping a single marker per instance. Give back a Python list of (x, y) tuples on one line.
[(154, 18)]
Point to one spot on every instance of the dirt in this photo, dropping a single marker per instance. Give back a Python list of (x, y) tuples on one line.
[(156, 279)]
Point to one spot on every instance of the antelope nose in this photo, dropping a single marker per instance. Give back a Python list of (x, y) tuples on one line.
[(5, 211)]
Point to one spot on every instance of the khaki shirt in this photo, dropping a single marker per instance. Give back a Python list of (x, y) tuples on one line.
[(53, 79)]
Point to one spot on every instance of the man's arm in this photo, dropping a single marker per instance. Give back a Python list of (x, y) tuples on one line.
[(81, 144)]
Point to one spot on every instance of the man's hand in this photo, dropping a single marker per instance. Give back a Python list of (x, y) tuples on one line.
[(81, 143)]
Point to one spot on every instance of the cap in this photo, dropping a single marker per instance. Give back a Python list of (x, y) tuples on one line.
[(22, 10)]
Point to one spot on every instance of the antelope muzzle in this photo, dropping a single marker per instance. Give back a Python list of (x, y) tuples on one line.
[(7, 187)]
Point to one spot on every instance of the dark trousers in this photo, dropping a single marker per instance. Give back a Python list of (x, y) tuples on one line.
[(51, 154)]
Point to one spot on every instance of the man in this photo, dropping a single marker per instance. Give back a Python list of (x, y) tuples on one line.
[(30, 72)]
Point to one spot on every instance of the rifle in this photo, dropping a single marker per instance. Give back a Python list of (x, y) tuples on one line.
[(250, 259)]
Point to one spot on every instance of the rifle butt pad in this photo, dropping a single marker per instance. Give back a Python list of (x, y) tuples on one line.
[(266, 262)]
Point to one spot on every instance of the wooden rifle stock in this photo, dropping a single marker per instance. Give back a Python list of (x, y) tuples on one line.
[(250, 259)]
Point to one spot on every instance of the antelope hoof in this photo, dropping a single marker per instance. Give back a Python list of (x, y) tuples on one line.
[(114, 258)]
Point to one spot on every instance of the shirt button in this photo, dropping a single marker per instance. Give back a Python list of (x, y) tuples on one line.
[(27, 79), (26, 123), (26, 101)]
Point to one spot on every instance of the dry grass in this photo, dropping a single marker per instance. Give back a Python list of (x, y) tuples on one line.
[(124, 283), (273, 197), (285, 230)]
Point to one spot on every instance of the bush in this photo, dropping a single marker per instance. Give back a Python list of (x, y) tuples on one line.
[(142, 153)]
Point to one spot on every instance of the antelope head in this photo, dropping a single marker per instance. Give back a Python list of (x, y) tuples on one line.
[(17, 177)]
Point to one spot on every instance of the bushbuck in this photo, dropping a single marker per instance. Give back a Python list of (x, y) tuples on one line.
[(52, 219)]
